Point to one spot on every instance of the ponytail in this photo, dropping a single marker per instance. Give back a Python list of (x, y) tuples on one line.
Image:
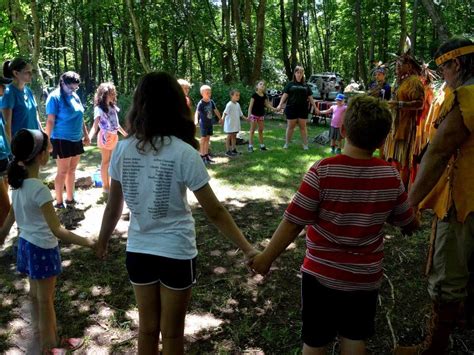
[(16, 174), (17, 64)]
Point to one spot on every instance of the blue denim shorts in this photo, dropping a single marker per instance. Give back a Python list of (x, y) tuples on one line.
[(38, 263)]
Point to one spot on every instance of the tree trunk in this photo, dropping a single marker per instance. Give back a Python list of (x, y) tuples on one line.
[(437, 18), (284, 42), (295, 26), (360, 42), (242, 47), (138, 38), (259, 42), (403, 25), (19, 28), (36, 45), (414, 27), (227, 75)]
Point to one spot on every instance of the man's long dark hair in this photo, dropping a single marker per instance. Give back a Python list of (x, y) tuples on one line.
[(159, 109)]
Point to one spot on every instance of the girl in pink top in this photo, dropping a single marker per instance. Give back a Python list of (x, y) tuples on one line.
[(336, 123)]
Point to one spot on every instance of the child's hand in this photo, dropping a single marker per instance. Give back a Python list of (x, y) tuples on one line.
[(221, 121), (260, 264), (100, 250)]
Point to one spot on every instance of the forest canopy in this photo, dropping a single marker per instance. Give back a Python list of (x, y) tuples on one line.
[(226, 41)]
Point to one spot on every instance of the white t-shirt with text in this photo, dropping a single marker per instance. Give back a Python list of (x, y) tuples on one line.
[(154, 185)]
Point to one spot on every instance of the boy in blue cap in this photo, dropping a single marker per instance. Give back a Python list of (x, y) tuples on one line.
[(337, 111)]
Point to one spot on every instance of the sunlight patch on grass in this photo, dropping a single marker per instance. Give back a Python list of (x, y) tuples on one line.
[(220, 270), (196, 323)]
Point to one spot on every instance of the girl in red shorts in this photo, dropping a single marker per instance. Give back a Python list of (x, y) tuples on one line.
[(256, 114)]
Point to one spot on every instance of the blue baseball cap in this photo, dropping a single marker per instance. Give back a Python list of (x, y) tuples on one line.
[(340, 97)]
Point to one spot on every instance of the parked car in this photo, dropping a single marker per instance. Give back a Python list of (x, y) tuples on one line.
[(329, 84)]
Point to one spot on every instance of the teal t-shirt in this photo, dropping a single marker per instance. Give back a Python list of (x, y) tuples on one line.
[(4, 146), (69, 114), (23, 106)]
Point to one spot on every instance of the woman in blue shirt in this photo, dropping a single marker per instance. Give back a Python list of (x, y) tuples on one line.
[(68, 133), (19, 105), (5, 153)]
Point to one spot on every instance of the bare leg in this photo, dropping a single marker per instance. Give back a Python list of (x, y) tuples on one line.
[(352, 347), (233, 141), (290, 128), (174, 304), (44, 291), (71, 177), (62, 170), (260, 132), (253, 125), (149, 313), (303, 131), (4, 200), (309, 350), (104, 169), (202, 143), (228, 142)]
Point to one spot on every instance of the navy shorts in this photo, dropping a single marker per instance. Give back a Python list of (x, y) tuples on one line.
[(38, 263), (148, 269), (206, 130), (3, 167), (63, 148), (327, 313), (335, 133)]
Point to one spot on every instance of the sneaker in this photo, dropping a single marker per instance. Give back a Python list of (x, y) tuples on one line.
[(236, 152), (262, 147), (333, 150), (229, 154), (338, 151), (285, 146), (208, 159), (250, 149), (71, 203), (305, 147), (59, 206)]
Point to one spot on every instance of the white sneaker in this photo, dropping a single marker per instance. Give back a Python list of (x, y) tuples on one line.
[(305, 147), (285, 146)]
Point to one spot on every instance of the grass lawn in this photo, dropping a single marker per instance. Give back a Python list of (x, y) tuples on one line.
[(231, 311)]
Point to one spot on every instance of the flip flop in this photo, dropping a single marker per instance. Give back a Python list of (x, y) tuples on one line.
[(72, 343)]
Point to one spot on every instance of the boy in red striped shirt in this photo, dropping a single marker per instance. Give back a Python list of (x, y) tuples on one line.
[(345, 201)]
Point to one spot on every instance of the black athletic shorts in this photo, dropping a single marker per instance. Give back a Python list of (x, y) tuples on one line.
[(327, 313), (148, 269), (62, 148)]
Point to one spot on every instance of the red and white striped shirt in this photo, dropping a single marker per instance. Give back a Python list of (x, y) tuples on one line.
[(345, 203)]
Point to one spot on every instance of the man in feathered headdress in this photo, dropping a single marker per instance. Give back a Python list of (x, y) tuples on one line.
[(407, 107), (445, 184)]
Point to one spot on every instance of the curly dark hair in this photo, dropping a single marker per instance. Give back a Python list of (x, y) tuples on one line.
[(100, 97), (367, 121), (159, 109)]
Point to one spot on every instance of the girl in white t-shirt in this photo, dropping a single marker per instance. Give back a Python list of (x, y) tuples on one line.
[(38, 252), (232, 115), (151, 170), (106, 118)]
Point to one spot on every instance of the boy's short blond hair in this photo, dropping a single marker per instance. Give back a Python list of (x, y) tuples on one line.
[(184, 82), (367, 121), (204, 87)]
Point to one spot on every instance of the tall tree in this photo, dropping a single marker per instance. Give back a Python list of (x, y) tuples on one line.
[(403, 25), (259, 41), (438, 21), (284, 42), (138, 38), (360, 42)]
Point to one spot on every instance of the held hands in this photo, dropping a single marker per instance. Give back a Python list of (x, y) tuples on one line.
[(86, 141), (260, 264), (101, 250)]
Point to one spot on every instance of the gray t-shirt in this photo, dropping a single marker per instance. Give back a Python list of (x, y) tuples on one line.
[(27, 202), (154, 186)]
